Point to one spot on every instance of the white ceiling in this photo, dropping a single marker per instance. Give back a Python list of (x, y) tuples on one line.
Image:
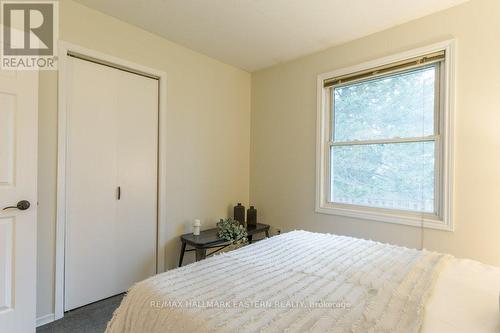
[(253, 34)]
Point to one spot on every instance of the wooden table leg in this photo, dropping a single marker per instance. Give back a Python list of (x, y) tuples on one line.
[(201, 254), (183, 249), (250, 237)]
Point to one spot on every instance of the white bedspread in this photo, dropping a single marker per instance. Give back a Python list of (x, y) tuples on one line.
[(296, 282)]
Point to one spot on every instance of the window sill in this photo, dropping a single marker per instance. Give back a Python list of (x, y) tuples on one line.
[(427, 222)]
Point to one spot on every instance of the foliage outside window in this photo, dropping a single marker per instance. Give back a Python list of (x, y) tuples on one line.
[(383, 148)]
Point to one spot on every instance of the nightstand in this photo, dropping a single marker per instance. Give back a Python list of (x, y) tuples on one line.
[(209, 239)]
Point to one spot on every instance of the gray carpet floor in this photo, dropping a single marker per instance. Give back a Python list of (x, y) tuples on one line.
[(91, 318)]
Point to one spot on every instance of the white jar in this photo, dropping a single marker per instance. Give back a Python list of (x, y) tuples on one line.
[(196, 227)]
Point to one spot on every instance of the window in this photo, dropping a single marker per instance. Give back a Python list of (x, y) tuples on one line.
[(385, 140)]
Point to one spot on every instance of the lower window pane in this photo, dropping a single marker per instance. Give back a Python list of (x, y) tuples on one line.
[(393, 176)]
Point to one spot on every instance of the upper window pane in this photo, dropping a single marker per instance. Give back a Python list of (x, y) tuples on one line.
[(400, 105)]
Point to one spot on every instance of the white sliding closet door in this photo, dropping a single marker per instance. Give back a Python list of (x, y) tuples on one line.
[(111, 180)]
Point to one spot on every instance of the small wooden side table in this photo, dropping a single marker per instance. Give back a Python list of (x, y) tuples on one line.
[(209, 239)]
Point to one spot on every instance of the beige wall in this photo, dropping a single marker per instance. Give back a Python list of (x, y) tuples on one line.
[(283, 132), (208, 131)]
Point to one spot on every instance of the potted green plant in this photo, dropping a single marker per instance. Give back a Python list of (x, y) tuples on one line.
[(232, 231)]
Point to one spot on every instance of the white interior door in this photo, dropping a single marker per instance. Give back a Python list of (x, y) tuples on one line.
[(112, 144), (18, 172)]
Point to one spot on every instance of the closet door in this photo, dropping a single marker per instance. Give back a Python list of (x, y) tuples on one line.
[(112, 144), (137, 152)]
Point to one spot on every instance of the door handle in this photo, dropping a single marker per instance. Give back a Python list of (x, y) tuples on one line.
[(21, 205), (119, 190)]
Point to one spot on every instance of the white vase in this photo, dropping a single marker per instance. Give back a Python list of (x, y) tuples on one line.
[(196, 227)]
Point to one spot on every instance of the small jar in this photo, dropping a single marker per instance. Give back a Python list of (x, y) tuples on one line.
[(239, 213), (252, 216), (196, 227)]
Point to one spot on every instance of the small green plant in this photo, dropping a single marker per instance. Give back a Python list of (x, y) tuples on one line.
[(232, 231)]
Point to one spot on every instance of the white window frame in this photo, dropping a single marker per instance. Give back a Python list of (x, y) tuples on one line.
[(443, 220)]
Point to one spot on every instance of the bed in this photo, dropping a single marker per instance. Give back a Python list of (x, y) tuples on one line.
[(311, 282)]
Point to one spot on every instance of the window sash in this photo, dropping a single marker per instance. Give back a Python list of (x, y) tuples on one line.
[(383, 141), (434, 214), (438, 182), (437, 98)]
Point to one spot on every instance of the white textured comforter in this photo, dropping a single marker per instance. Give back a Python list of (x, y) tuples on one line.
[(296, 282)]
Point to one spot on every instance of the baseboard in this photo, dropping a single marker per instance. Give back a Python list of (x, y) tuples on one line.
[(44, 319)]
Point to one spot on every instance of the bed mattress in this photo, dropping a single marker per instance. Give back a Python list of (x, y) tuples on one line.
[(311, 282)]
